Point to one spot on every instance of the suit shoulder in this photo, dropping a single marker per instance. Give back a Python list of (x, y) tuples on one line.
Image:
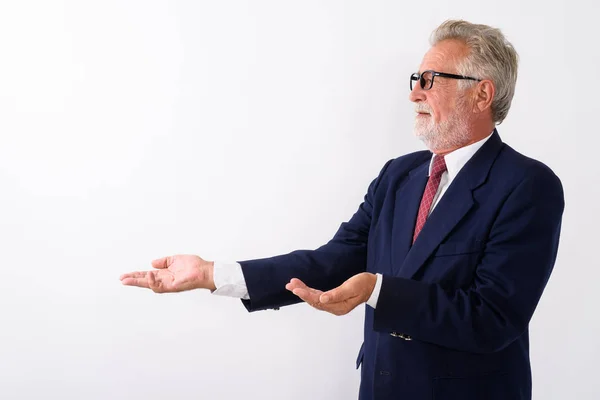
[(395, 168), (527, 168)]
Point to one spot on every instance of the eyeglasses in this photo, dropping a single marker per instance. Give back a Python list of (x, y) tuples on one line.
[(425, 78)]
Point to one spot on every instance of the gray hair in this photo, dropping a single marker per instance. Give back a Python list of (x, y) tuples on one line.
[(491, 56)]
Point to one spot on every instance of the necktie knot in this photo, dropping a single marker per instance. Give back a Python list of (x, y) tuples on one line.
[(439, 166)]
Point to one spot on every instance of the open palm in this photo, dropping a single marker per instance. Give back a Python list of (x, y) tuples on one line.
[(173, 274)]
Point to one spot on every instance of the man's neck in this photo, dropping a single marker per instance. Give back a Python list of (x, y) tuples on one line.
[(476, 133)]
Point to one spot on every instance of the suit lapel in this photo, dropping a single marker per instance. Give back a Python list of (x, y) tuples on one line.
[(451, 209), (408, 198), (455, 204)]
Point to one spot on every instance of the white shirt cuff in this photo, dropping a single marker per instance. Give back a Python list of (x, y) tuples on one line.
[(229, 280), (375, 294)]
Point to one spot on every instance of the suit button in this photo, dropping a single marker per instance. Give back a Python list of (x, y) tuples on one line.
[(384, 372)]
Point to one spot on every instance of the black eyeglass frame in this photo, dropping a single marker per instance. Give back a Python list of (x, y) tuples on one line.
[(419, 77)]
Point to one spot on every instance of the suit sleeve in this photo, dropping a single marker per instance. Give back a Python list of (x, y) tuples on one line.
[(324, 268), (495, 309)]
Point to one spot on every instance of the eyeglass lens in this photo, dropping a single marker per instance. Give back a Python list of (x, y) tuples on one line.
[(425, 80)]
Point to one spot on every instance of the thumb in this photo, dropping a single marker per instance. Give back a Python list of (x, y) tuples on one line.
[(152, 282), (162, 263), (334, 295)]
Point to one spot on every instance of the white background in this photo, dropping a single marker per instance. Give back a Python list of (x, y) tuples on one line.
[(131, 130)]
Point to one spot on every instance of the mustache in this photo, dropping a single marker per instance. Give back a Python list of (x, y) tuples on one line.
[(421, 107)]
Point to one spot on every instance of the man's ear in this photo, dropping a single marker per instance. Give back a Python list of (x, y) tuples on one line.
[(484, 95)]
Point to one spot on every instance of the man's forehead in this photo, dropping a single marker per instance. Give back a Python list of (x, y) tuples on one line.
[(444, 56)]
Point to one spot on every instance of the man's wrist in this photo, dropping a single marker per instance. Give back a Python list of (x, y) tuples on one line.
[(208, 276)]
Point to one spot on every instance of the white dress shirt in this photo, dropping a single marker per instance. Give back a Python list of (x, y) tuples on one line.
[(228, 276)]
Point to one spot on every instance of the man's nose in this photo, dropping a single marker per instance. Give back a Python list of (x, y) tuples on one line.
[(417, 93)]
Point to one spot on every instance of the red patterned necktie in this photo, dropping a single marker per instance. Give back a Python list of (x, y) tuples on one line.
[(433, 183)]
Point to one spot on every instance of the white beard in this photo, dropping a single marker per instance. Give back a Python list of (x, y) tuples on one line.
[(449, 134)]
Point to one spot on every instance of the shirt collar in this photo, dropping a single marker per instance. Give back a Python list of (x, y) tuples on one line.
[(458, 158)]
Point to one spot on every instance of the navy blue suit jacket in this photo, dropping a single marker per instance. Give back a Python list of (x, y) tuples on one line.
[(452, 317)]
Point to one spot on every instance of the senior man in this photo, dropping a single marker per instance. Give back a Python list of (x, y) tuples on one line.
[(450, 250)]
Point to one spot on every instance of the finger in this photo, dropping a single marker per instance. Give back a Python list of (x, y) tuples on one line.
[(162, 263), (350, 289), (139, 274), (139, 282), (336, 295), (342, 307), (296, 283), (308, 296), (312, 297)]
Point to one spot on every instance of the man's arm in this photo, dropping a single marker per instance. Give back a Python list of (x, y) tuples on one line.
[(344, 256), (264, 280)]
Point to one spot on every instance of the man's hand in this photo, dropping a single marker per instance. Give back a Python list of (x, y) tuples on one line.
[(174, 274), (338, 301)]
